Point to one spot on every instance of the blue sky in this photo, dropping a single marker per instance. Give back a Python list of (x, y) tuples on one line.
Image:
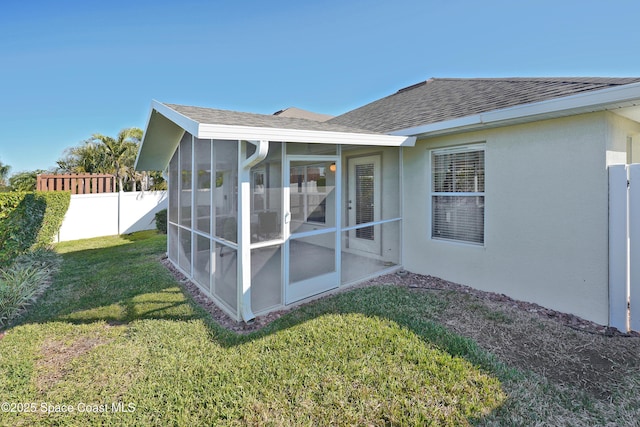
[(69, 69)]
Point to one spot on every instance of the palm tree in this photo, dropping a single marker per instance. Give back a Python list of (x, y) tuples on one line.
[(120, 153), (25, 181), (90, 157), (105, 154), (4, 174)]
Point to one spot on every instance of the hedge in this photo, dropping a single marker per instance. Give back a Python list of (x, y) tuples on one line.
[(29, 220), (161, 221)]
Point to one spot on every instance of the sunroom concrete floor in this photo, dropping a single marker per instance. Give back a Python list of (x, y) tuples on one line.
[(310, 261)]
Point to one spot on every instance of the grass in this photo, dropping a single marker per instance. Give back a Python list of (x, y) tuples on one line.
[(488, 314), (116, 331)]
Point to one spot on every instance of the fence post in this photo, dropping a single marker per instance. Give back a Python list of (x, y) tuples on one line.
[(634, 246), (618, 253), (119, 211)]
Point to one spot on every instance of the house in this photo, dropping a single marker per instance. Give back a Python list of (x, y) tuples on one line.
[(500, 184)]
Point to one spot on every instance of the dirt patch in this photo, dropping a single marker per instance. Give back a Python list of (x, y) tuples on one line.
[(564, 348), (56, 357)]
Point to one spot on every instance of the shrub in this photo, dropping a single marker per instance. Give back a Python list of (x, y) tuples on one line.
[(39, 258), (24, 280), (29, 221), (161, 221)]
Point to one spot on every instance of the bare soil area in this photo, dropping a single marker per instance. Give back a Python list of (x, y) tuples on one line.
[(565, 349)]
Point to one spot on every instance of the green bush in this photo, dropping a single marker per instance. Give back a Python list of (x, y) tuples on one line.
[(39, 258), (29, 221), (161, 221), (24, 280)]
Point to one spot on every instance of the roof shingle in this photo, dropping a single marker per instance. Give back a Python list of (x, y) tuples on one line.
[(438, 100), (236, 118)]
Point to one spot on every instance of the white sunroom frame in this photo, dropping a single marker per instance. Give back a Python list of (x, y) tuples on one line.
[(166, 127)]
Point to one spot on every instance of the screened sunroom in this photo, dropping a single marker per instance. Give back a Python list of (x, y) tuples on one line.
[(267, 211)]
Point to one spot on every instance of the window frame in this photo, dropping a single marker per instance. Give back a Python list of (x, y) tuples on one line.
[(467, 148)]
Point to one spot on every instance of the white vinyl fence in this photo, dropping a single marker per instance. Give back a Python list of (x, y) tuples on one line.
[(624, 247), (107, 214)]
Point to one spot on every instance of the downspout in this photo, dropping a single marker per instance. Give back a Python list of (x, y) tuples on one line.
[(244, 223), (262, 149)]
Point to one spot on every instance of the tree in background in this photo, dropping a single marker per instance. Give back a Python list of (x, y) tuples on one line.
[(4, 174), (116, 156), (25, 181), (90, 157), (121, 153), (157, 181)]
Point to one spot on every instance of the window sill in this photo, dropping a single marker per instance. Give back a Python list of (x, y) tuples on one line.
[(458, 242)]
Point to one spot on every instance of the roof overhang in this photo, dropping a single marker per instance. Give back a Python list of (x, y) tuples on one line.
[(159, 141), (165, 127), (623, 100)]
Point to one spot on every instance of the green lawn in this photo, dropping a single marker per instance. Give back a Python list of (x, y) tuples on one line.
[(115, 328)]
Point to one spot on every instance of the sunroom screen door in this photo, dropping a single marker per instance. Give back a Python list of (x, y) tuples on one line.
[(311, 221)]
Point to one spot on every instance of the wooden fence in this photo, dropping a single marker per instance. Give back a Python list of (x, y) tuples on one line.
[(77, 183)]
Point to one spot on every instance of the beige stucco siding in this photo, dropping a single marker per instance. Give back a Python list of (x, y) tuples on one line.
[(546, 214), (623, 144)]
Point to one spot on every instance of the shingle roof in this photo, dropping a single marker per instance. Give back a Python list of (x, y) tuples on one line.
[(437, 100), (236, 118), (302, 114)]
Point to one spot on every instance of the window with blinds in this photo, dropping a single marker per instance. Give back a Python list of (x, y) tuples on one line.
[(457, 194), (365, 200)]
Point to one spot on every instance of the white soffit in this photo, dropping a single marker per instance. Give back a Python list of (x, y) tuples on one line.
[(166, 134), (623, 100), (632, 113)]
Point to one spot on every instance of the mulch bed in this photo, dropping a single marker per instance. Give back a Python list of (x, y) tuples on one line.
[(418, 281), (411, 281)]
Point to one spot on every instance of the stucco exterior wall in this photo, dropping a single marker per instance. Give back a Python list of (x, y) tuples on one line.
[(546, 213), (623, 144)]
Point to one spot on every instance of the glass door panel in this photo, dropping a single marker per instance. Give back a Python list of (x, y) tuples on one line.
[(311, 262), (364, 203)]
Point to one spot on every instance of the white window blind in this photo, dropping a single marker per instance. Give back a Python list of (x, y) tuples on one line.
[(457, 194), (365, 200)]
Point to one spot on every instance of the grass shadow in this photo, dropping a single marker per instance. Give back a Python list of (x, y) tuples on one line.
[(119, 283), (124, 283), (414, 311), (366, 344)]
